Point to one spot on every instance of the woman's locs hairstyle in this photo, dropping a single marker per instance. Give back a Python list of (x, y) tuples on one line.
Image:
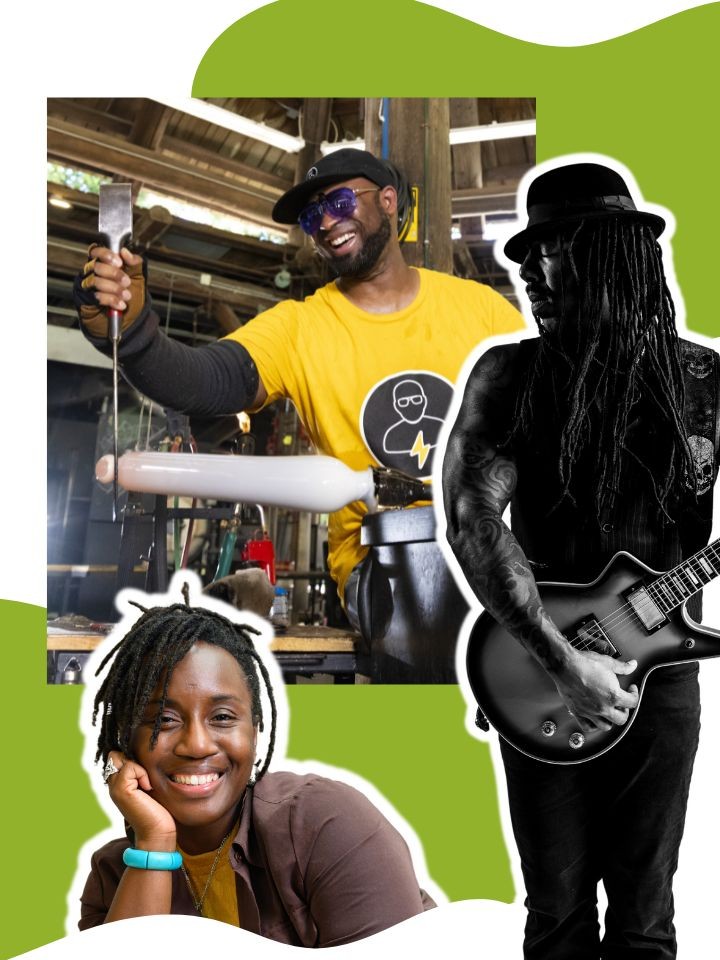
[(148, 655)]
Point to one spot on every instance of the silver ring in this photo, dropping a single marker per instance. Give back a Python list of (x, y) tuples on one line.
[(109, 769)]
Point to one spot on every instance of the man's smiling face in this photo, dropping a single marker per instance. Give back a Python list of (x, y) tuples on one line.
[(353, 245)]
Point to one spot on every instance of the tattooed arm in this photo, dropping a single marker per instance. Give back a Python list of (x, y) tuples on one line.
[(478, 483)]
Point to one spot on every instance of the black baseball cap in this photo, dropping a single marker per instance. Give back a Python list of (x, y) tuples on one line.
[(334, 168)]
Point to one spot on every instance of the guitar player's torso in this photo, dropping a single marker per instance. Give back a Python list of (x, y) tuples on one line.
[(567, 539), (607, 441)]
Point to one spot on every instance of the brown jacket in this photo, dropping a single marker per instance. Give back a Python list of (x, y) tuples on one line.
[(316, 865)]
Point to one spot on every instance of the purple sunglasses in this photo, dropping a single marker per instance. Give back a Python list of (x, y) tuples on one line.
[(338, 204)]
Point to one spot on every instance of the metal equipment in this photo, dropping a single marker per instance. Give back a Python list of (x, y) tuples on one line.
[(316, 483), (115, 229)]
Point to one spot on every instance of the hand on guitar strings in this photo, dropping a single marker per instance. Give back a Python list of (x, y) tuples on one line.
[(588, 684)]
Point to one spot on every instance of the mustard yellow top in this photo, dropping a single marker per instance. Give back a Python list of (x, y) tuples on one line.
[(221, 899), (373, 388)]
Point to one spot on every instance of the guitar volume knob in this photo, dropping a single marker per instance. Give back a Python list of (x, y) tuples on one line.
[(576, 740), (548, 728)]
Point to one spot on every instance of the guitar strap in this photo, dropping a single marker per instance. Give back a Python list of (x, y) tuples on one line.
[(701, 369)]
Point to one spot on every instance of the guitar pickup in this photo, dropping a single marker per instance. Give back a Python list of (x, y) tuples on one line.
[(591, 636), (645, 608)]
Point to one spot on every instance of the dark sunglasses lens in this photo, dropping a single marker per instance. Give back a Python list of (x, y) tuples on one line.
[(341, 202), (311, 217)]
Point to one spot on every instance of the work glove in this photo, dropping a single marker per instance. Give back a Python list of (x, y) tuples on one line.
[(109, 281)]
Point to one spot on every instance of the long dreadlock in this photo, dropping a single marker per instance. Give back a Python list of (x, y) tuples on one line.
[(592, 371), (148, 654)]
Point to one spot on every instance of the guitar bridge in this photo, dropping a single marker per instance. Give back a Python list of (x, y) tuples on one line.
[(587, 634)]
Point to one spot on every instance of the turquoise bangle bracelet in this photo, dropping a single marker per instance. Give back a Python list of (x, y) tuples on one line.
[(152, 859)]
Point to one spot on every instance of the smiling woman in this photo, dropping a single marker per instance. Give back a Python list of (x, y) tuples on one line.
[(299, 859)]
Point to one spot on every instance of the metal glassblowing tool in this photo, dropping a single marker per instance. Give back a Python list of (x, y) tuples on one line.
[(115, 229)]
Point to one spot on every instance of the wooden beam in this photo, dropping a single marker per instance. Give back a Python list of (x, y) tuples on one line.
[(315, 125), (231, 268), (511, 172), (418, 130), (372, 132), (466, 158), (225, 317), (492, 191), (275, 185), (67, 258), (149, 125), (67, 142), (478, 240), (490, 199), (257, 249), (467, 172), (81, 114), (235, 263), (75, 112), (463, 260), (150, 225)]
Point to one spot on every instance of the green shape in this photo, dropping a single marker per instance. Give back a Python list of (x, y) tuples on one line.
[(49, 809), (410, 742), (644, 98), (618, 98)]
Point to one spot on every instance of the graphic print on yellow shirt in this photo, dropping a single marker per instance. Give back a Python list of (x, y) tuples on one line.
[(332, 359), (401, 419)]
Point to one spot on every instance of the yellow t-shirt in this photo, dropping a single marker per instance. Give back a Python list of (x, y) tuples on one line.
[(373, 388)]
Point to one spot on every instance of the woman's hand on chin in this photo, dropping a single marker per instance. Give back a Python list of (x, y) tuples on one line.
[(153, 826)]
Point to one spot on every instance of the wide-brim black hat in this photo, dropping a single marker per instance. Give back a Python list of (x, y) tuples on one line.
[(569, 194), (334, 168)]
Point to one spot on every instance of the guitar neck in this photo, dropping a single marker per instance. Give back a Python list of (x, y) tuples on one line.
[(687, 578)]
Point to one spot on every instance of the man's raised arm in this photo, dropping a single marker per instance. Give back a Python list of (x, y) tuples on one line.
[(220, 378)]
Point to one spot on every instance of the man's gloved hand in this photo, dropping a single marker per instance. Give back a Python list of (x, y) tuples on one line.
[(109, 280)]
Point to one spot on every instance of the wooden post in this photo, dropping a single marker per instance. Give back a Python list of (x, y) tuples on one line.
[(372, 125), (419, 146), (467, 172), (315, 126)]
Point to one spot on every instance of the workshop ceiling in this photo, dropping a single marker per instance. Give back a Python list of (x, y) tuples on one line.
[(206, 279)]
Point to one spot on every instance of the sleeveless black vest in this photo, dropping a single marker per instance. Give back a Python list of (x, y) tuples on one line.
[(568, 542)]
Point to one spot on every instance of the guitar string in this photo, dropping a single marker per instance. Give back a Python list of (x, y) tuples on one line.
[(670, 585), (617, 618), (627, 612), (667, 580), (595, 633), (654, 594), (620, 616)]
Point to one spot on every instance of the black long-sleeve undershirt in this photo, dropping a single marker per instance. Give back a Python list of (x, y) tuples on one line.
[(212, 380)]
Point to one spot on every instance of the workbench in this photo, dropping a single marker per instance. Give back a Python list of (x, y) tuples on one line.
[(301, 651)]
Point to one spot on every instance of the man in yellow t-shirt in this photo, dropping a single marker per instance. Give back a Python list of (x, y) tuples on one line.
[(369, 360)]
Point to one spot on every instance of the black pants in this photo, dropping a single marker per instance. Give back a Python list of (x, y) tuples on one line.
[(619, 819)]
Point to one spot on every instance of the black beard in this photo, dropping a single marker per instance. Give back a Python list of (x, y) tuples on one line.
[(355, 265)]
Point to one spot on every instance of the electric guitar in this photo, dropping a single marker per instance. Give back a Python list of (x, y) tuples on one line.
[(630, 612)]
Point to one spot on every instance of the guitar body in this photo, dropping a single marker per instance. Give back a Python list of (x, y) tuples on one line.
[(518, 696)]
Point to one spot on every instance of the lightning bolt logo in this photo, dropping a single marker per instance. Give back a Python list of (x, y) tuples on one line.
[(420, 449)]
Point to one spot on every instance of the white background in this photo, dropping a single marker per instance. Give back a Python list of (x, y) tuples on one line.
[(144, 49)]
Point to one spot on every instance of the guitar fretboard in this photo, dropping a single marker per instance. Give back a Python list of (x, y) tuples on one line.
[(674, 587)]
